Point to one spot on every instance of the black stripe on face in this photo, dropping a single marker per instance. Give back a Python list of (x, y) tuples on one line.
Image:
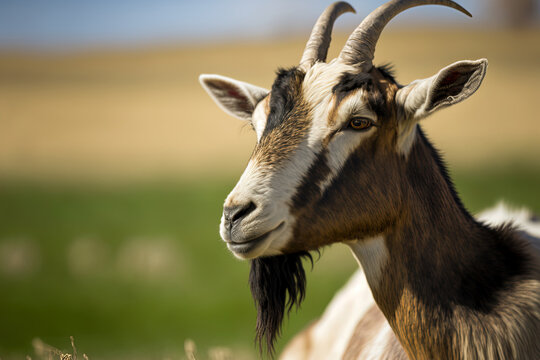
[(309, 190), (352, 81), (372, 93), (286, 93)]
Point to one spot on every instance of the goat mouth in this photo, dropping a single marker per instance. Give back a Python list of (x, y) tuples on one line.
[(247, 247)]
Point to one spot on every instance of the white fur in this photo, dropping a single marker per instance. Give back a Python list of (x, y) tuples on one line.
[(329, 337), (252, 93), (382, 338), (521, 218), (415, 100), (412, 98), (272, 195), (372, 255), (358, 304), (258, 119), (406, 137), (503, 213), (318, 84), (321, 78)]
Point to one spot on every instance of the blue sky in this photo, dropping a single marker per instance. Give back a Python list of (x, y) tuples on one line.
[(64, 24)]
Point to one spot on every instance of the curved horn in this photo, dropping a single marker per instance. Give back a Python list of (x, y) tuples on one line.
[(319, 40), (360, 47)]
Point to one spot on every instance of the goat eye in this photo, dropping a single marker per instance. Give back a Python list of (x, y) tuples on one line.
[(359, 123)]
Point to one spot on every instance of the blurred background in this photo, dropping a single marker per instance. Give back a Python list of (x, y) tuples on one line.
[(114, 163)]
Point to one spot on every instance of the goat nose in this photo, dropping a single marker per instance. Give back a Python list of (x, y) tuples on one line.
[(235, 213)]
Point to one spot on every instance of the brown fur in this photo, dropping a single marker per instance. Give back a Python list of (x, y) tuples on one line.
[(280, 141), (335, 215), (477, 276)]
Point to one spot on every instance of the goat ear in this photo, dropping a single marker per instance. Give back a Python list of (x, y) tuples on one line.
[(449, 86), (235, 97)]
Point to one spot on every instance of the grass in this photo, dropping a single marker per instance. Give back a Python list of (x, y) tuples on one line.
[(199, 291)]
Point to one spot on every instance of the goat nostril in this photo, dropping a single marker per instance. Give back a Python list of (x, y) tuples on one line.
[(235, 213)]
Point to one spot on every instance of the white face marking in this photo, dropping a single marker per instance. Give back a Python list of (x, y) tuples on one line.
[(318, 85), (272, 194), (321, 79), (344, 143), (372, 255), (269, 214), (407, 98), (406, 137), (258, 119)]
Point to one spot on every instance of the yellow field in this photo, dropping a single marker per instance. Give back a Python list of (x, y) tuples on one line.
[(142, 113)]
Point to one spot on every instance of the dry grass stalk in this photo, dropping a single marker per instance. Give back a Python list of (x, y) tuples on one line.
[(216, 353), (220, 353), (48, 352), (190, 349), (72, 340)]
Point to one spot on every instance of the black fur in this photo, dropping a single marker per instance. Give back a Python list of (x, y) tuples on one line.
[(277, 283), (496, 259), (443, 169), (310, 188), (352, 81), (388, 71), (284, 96)]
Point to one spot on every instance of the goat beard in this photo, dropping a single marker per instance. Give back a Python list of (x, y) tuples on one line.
[(277, 284)]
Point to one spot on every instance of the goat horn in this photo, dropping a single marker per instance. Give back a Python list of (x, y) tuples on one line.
[(319, 40), (360, 47)]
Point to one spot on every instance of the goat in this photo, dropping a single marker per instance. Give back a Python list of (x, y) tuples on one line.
[(351, 327), (341, 158)]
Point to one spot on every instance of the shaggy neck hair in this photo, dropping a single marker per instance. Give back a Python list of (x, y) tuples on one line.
[(277, 283)]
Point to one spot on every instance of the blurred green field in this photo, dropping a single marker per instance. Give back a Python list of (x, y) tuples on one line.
[(133, 271)]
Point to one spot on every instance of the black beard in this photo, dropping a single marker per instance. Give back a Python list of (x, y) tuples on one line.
[(270, 280)]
